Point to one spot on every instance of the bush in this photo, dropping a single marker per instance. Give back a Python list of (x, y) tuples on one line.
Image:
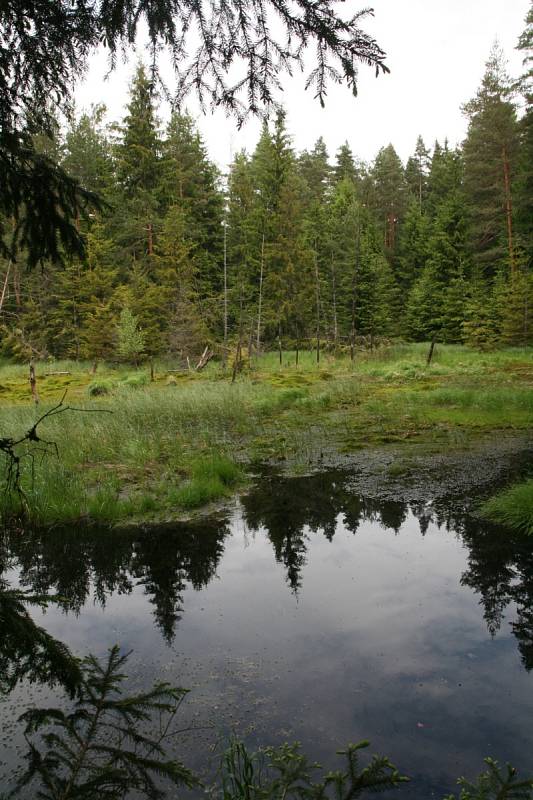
[(135, 380), (100, 388)]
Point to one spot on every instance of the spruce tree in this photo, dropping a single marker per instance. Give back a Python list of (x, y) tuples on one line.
[(417, 171), (138, 171), (524, 172), (190, 181), (389, 197), (490, 156)]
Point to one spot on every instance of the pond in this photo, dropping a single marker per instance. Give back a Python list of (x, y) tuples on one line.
[(305, 613)]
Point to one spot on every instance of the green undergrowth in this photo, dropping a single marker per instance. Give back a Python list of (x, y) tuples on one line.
[(156, 449), (512, 507)]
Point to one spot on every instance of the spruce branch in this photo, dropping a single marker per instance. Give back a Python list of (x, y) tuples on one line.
[(104, 748)]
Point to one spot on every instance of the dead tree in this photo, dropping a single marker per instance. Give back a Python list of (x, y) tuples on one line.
[(29, 446), (33, 384)]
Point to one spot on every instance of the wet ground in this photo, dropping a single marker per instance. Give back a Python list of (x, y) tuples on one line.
[(364, 601)]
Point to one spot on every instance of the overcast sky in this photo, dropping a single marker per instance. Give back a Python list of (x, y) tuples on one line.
[(436, 52)]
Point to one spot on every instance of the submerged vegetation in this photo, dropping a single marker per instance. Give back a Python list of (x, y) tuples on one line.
[(186, 439), (512, 507)]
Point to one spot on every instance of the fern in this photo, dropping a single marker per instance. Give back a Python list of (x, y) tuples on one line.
[(100, 750)]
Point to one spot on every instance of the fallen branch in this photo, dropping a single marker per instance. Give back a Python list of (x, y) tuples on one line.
[(205, 358), (9, 447)]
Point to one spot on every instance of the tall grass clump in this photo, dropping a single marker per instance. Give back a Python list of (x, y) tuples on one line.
[(211, 478), (285, 773), (100, 388), (512, 507)]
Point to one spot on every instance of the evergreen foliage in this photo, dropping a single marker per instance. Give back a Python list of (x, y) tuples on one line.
[(130, 340), (29, 651), (289, 247), (495, 784), (285, 772), (45, 48), (105, 747)]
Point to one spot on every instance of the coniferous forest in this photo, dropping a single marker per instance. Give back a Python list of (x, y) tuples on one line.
[(324, 535), (289, 249)]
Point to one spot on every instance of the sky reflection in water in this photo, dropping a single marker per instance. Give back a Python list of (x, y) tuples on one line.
[(312, 614)]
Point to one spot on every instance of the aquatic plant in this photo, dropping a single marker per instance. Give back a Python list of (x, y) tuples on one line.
[(512, 507), (280, 773)]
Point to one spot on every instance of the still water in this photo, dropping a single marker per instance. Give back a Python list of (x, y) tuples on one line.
[(308, 613)]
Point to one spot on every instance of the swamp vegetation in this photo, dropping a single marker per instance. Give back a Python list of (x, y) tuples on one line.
[(185, 440), (322, 543), (283, 617)]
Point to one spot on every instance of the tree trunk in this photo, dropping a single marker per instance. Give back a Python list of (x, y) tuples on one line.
[(508, 208), (317, 300), (237, 361), (260, 294), (334, 298), (33, 384), (430, 354), (225, 281), (6, 283), (16, 285), (150, 231)]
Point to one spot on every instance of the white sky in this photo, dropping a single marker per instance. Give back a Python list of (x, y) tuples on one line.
[(436, 51)]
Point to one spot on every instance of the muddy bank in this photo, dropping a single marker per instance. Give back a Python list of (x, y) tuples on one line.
[(415, 472)]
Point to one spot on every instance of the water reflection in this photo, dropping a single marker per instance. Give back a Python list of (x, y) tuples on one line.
[(307, 612), (90, 563), (94, 564), (289, 510)]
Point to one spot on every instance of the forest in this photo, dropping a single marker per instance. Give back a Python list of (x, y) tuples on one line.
[(268, 490), (289, 250)]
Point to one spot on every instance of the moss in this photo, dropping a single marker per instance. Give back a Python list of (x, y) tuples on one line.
[(168, 448)]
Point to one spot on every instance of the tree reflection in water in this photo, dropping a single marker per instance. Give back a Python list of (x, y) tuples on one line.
[(76, 565)]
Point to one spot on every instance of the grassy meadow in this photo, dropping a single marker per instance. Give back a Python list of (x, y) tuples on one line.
[(186, 440)]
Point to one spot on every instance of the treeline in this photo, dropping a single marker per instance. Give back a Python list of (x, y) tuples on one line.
[(288, 247)]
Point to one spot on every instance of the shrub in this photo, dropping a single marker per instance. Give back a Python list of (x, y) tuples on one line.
[(99, 388)]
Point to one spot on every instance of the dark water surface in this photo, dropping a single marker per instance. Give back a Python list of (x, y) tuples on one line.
[(306, 613)]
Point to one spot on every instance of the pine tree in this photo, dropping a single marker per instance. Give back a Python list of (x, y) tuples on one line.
[(138, 169), (245, 247), (480, 329), (413, 245), (513, 301), (345, 165), (389, 196), (183, 327), (287, 272), (490, 154), (524, 171), (417, 171), (190, 181)]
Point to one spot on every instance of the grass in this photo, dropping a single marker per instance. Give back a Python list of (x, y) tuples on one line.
[(183, 441), (512, 507)]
